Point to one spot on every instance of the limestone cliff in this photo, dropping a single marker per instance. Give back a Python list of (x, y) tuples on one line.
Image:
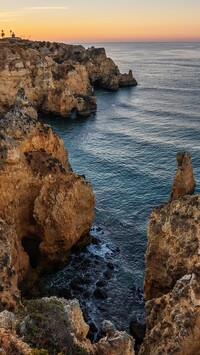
[(184, 182), (172, 285), (58, 78), (44, 207)]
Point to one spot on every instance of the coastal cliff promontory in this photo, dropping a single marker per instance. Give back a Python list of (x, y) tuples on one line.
[(58, 78), (45, 209), (172, 285)]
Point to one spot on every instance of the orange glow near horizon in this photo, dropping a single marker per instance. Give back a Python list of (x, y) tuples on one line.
[(97, 23)]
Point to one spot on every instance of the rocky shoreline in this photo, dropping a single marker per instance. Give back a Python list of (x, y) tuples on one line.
[(46, 209)]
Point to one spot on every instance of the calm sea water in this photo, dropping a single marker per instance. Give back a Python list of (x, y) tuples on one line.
[(127, 150)]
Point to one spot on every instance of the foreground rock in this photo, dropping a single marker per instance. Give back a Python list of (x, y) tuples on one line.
[(45, 208), (173, 320), (56, 326), (172, 284), (58, 78)]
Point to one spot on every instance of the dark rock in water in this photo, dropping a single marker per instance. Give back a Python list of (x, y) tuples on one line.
[(107, 275), (100, 293), (65, 293), (76, 284), (100, 283), (103, 308), (110, 266), (137, 330), (127, 80), (86, 294), (95, 241), (99, 229)]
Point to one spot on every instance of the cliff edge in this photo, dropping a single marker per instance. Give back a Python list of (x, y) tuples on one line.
[(172, 284)]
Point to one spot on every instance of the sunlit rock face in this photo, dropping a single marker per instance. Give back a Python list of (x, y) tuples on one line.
[(45, 208), (184, 182), (58, 78), (172, 285)]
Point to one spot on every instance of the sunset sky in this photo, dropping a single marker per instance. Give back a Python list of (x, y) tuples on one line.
[(104, 20)]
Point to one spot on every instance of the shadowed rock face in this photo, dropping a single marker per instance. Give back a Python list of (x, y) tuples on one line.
[(172, 284), (184, 182), (58, 78), (45, 208)]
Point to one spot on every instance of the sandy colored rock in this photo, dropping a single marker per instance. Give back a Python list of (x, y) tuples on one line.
[(173, 320), (11, 344), (58, 78), (34, 169), (115, 343), (61, 326), (172, 278), (184, 182), (63, 210), (173, 244)]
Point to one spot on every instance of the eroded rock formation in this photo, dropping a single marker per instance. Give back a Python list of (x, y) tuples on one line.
[(58, 78), (172, 284), (184, 182), (45, 208)]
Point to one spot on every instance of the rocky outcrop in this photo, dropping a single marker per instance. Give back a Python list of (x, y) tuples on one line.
[(172, 284), (58, 78), (173, 320), (173, 244), (104, 73), (184, 182), (45, 208), (54, 326)]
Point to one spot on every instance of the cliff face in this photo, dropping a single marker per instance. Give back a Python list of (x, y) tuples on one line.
[(45, 207), (172, 285), (58, 78)]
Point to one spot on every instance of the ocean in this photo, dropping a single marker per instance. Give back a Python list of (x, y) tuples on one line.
[(127, 150)]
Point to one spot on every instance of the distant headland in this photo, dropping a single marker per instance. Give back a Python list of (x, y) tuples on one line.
[(58, 78)]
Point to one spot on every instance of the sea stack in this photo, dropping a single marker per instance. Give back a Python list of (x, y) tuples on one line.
[(184, 182)]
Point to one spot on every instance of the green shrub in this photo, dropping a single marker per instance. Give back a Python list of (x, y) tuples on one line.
[(46, 329)]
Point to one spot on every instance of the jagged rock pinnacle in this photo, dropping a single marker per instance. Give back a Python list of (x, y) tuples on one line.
[(184, 182)]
